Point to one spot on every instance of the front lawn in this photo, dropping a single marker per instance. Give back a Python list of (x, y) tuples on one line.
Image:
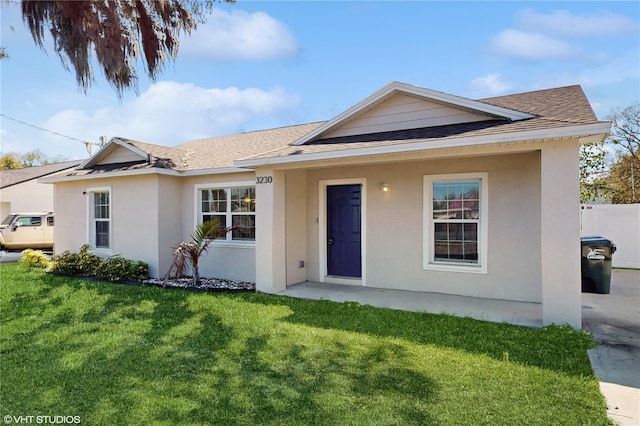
[(117, 354)]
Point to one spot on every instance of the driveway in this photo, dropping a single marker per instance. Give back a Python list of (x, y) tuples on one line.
[(614, 323), (8, 257)]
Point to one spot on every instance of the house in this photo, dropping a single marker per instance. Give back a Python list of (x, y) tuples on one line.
[(410, 189), (21, 192)]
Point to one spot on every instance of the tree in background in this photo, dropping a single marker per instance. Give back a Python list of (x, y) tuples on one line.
[(10, 162), (592, 165), (624, 175), (614, 174), (118, 32), (29, 159)]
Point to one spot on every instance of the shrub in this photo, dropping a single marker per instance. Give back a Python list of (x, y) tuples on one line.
[(115, 268), (77, 264), (35, 259)]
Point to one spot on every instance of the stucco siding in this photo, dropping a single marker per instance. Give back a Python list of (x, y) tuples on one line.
[(5, 209), (29, 196), (170, 212), (560, 240), (70, 204), (223, 260), (150, 215), (296, 226), (404, 112), (394, 226), (134, 217)]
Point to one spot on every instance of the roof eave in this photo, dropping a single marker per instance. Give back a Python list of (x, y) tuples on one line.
[(216, 171), (141, 172), (588, 133), (120, 173)]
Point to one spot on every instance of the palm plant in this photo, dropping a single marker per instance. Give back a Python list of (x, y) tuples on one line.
[(187, 254)]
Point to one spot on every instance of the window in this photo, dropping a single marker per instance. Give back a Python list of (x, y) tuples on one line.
[(7, 220), (455, 222), (100, 218), (231, 207), (50, 221), (29, 221)]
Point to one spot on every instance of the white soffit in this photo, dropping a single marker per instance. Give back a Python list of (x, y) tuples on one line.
[(419, 92)]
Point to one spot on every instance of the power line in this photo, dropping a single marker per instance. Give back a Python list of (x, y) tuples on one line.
[(47, 130)]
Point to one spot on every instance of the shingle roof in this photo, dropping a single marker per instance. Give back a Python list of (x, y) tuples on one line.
[(16, 176), (567, 104), (165, 157), (552, 108), (221, 151), (209, 153)]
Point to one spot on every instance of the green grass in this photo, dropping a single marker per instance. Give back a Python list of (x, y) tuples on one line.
[(117, 354)]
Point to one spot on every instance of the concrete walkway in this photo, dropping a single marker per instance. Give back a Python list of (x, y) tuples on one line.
[(612, 319), (520, 313), (614, 323)]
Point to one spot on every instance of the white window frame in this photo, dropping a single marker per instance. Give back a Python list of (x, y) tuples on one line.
[(91, 230), (429, 263), (197, 197)]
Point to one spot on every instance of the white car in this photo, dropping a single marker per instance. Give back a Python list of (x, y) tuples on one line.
[(20, 231)]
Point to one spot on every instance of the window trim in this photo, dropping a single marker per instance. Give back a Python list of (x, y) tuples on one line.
[(429, 263), (197, 209), (91, 238)]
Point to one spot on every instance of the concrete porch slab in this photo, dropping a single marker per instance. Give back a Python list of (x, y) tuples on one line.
[(517, 313)]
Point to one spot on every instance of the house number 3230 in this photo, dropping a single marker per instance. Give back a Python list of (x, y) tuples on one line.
[(264, 179)]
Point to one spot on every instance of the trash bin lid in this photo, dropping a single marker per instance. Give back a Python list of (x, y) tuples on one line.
[(589, 240)]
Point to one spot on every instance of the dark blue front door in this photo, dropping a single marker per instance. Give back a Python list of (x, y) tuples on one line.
[(343, 231)]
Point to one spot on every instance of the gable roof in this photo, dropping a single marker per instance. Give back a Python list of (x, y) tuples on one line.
[(202, 154), (151, 155), (16, 176), (559, 112), (394, 88)]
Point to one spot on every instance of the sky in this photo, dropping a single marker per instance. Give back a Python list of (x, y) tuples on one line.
[(258, 65)]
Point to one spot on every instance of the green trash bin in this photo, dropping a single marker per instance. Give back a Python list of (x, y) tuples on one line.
[(596, 264)]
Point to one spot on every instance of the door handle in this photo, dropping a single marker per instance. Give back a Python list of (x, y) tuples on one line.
[(330, 241)]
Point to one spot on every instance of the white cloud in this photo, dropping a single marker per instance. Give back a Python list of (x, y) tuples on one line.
[(532, 47), (622, 68), (617, 70), (240, 36), (490, 85), (170, 113), (563, 23)]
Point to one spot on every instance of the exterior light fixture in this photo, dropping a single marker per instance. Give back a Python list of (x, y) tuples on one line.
[(384, 187)]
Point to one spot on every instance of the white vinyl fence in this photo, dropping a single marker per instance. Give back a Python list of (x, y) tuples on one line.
[(619, 223)]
